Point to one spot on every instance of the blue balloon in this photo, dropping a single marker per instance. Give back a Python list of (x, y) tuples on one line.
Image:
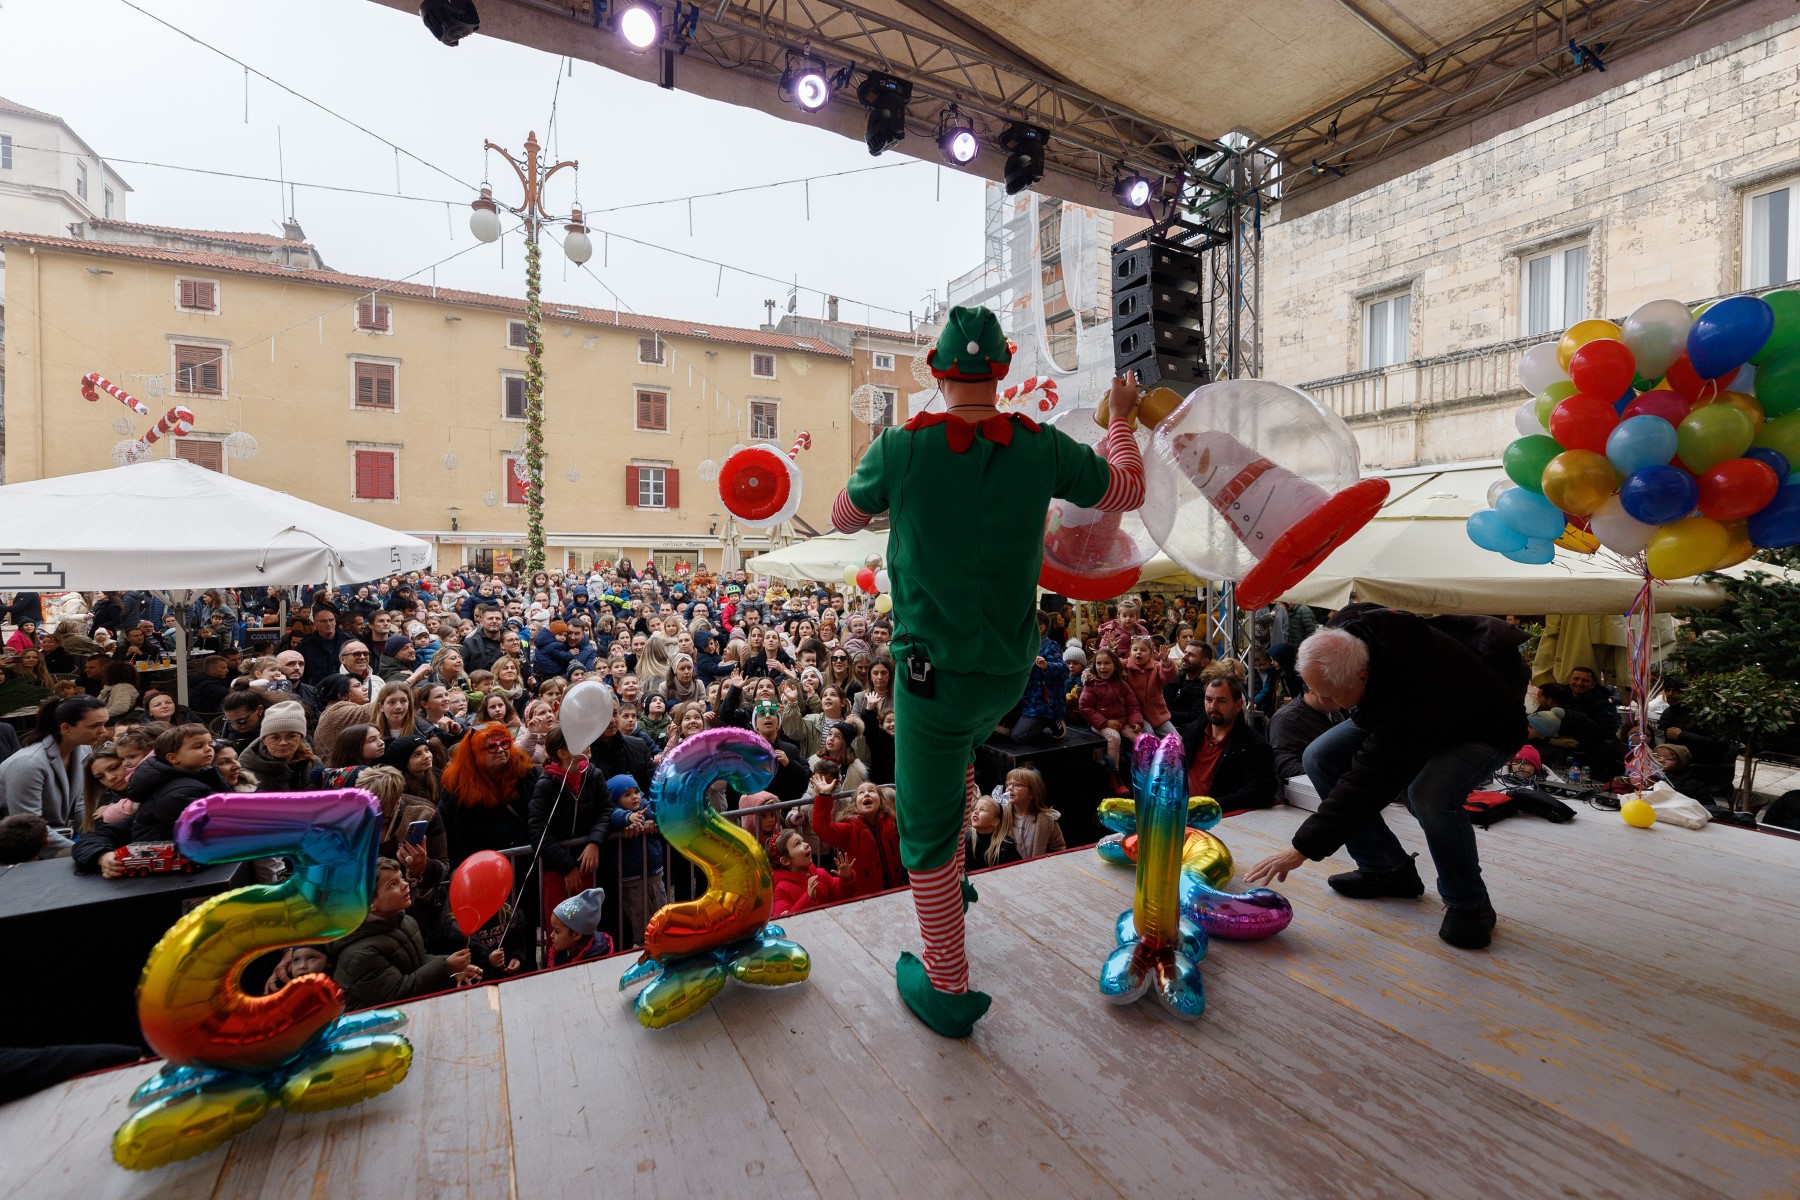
[(1658, 495), (1778, 524), (1724, 337), (1527, 512), (1639, 442), (1535, 552), (1774, 458), (1488, 531), (1623, 402)]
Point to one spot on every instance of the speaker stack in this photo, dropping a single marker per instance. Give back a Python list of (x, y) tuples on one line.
[(1157, 312)]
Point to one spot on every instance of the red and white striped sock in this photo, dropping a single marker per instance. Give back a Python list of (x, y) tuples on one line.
[(937, 897)]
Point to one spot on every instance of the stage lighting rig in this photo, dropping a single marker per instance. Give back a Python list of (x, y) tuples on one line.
[(956, 137), (1025, 146), (805, 82), (640, 25), (450, 21), (885, 97), (1134, 192)]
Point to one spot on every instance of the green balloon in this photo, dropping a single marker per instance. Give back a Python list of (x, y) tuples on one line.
[(1782, 434), (1550, 397), (1778, 383), (1526, 459), (1786, 336), (1711, 434)]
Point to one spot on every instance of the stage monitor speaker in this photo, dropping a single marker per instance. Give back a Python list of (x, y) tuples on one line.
[(1159, 317)]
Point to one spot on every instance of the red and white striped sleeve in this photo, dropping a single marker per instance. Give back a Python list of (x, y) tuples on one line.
[(848, 518), (1120, 449)]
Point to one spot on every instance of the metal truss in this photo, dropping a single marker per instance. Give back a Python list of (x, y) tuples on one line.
[(1526, 51), (1089, 136)]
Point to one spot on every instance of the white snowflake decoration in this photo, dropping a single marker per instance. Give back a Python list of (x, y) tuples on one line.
[(490, 498), (921, 372), (449, 461), (240, 446), (573, 474), (123, 427), (708, 470), (867, 404), (153, 385)]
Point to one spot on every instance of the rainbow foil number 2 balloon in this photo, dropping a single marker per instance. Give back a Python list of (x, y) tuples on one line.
[(233, 1058)]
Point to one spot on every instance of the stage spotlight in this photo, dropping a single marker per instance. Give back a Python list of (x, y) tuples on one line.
[(640, 26), (1025, 156), (805, 83), (1134, 191), (450, 21), (885, 97), (956, 137)]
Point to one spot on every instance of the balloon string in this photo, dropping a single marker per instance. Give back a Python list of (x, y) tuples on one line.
[(506, 926)]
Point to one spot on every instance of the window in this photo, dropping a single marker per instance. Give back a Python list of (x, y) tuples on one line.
[(515, 479), (81, 179), (518, 336), (202, 452), (1386, 330), (1555, 286), (883, 362), (765, 420), (374, 317), (652, 410), (512, 397), (652, 487), (375, 385), (5, 151), (197, 295), (650, 350), (199, 371), (890, 404), (1771, 249), (374, 475), (108, 196), (762, 366)]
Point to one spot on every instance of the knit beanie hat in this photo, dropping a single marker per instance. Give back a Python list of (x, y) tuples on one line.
[(581, 912), (618, 785), (400, 750), (846, 729), (1529, 754), (395, 644), (971, 347), (286, 717)]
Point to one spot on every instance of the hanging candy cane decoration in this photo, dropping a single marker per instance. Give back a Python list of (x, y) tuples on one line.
[(1017, 395), (178, 421), (93, 380), (802, 442)]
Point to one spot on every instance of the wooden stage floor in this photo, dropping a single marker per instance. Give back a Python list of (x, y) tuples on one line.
[(1634, 1032)]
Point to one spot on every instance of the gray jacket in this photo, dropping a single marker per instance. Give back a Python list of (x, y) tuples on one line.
[(34, 781)]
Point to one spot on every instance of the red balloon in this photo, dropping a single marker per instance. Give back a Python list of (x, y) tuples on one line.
[(1603, 367), (1683, 378), (1582, 423), (1670, 406), (1737, 488), (865, 579), (478, 887)]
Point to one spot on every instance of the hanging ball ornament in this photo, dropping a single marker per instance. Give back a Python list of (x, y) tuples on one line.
[(708, 470), (490, 498), (736, 448), (921, 372), (449, 461), (573, 474), (123, 427), (240, 446), (867, 404), (125, 453), (153, 385)]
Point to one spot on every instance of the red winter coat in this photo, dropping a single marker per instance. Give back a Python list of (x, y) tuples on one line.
[(790, 891), (874, 848), (1147, 684), (1104, 700)]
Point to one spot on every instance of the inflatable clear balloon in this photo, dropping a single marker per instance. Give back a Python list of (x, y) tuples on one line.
[(1256, 482), (1089, 554)]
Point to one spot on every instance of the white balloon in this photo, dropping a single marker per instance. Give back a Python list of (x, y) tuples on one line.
[(1656, 334), (1526, 421), (1619, 531), (587, 709), (1539, 368), (883, 582), (1497, 489)]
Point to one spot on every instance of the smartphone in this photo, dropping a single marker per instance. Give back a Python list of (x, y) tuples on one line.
[(415, 833)]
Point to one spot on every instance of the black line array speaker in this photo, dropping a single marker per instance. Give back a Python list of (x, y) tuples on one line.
[(1159, 319)]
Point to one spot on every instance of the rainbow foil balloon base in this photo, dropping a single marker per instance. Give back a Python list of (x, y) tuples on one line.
[(682, 987)]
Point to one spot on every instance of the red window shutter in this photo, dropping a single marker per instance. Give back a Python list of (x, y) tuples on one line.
[(672, 488), (374, 475), (631, 486), (384, 476), (188, 297), (384, 387)]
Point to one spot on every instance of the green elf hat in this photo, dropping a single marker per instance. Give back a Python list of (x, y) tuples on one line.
[(971, 348)]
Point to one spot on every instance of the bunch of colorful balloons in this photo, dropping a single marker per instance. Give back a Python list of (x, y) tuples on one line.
[(1673, 435), (872, 579)]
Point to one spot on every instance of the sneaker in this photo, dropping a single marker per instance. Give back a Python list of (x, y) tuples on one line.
[(1401, 882), (1468, 928)]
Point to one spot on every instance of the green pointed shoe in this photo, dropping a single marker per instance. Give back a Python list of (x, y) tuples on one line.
[(969, 894), (949, 1014)]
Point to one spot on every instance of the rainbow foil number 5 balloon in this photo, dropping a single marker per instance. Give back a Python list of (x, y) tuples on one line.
[(691, 949), (233, 1058)]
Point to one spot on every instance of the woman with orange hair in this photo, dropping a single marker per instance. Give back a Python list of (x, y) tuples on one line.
[(486, 793)]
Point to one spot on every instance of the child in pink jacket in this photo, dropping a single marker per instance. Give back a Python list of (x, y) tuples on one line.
[(1110, 706), (1148, 675)]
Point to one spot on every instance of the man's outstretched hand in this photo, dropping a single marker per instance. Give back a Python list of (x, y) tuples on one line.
[(1275, 868)]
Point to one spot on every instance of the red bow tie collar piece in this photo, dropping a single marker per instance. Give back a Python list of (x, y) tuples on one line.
[(961, 434)]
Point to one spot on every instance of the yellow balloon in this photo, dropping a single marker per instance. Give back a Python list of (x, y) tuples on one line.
[(1580, 334), (1748, 405), (1577, 539), (1637, 813), (850, 575), (884, 603), (1741, 547), (1579, 481), (1687, 547)]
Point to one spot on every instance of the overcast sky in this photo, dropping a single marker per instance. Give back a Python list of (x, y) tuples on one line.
[(135, 89)]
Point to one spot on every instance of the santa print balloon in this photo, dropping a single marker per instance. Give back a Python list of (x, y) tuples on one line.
[(760, 485)]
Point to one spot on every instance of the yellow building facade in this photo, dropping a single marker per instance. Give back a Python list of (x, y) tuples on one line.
[(404, 404)]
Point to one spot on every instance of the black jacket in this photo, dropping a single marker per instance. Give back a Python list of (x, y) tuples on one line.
[(567, 814), (321, 655), (621, 754), (1413, 668), (1297, 726), (1244, 776), (1185, 698), (162, 792), (383, 960), (97, 843), (469, 829)]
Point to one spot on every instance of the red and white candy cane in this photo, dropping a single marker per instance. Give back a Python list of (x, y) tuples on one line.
[(803, 441), (94, 380), (1017, 393), (178, 421)]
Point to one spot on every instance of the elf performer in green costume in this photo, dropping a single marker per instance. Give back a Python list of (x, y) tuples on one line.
[(967, 492)]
